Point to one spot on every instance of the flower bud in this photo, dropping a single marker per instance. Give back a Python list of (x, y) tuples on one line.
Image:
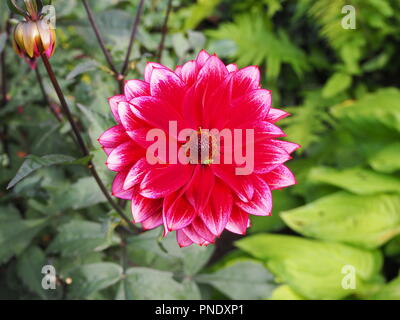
[(32, 38)]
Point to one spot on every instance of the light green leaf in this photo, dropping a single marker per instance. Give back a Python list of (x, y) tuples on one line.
[(80, 237), (387, 159), (313, 268), (149, 284), (33, 163), (337, 83), (366, 221), (284, 292), (247, 280), (91, 278), (356, 180), (375, 115), (391, 291)]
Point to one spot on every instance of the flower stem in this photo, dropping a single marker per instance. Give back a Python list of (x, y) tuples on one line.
[(81, 143), (133, 35), (164, 31), (100, 39)]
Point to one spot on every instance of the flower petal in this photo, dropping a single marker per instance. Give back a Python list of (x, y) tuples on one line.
[(182, 239), (113, 137), (280, 177), (168, 86), (153, 221), (216, 215), (275, 115), (202, 57), (150, 66), (189, 72), (178, 213), (117, 186), (143, 208), (202, 230), (114, 101), (201, 187), (232, 67), (245, 80), (124, 155), (261, 204), (238, 221), (267, 157), (136, 173), (161, 181), (136, 88)]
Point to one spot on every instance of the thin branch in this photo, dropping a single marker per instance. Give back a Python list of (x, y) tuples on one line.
[(106, 53), (164, 31), (57, 115), (133, 36), (81, 143)]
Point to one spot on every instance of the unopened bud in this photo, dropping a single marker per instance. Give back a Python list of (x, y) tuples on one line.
[(32, 38)]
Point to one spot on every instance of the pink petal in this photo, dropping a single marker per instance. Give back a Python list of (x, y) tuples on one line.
[(189, 72), (202, 57), (238, 221), (210, 76), (153, 221), (268, 157), (275, 115), (167, 85), (162, 181), (246, 80), (201, 187), (117, 186), (280, 177), (156, 112), (240, 184), (182, 239), (137, 173), (202, 230), (251, 107), (149, 69), (261, 204), (136, 88), (194, 236), (217, 213), (232, 67), (143, 208), (114, 101), (123, 156), (177, 212), (289, 147), (113, 137)]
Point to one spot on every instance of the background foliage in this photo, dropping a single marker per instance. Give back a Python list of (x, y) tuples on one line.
[(341, 87)]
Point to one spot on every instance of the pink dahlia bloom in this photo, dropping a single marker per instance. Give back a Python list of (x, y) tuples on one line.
[(197, 200)]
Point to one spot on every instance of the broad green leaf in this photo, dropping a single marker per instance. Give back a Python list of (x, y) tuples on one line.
[(247, 280), (284, 292), (91, 278), (337, 83), (313, 268), (181, 44), (80, 237), (16, 234), (150, 250), (387, 159), (81, 194), (33, 163), (29, 269), (391, 291), (356, 180), (365, 221), (149, 284), (375, 115)]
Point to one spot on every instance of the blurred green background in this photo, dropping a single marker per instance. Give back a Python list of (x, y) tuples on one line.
[(335, 235)]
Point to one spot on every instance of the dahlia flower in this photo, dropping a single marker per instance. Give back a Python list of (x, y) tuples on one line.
[(32, 38), (202, 197)]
